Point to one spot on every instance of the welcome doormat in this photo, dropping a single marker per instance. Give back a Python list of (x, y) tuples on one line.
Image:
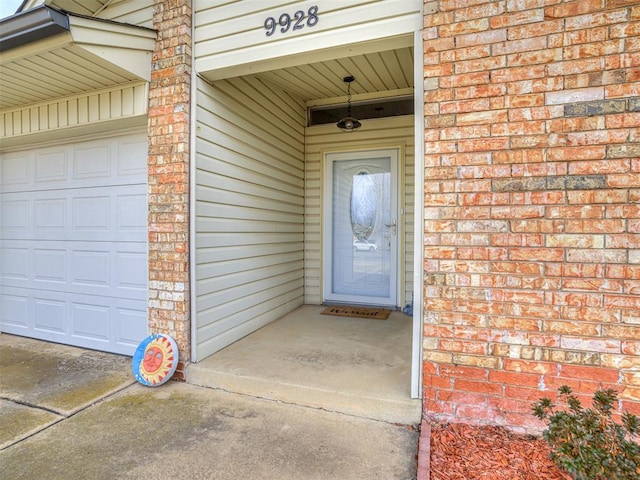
[(358, 312)]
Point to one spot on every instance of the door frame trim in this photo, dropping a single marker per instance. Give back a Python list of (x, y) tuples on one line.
[(418, 216), (399, 187)]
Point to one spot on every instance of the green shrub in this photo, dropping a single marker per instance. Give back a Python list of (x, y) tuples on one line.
[(586, 442)]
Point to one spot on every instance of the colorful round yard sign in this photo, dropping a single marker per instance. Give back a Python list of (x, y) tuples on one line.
[(155, 360)]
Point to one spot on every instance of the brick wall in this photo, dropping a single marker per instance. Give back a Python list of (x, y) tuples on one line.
[(532, 205), (168, 169)]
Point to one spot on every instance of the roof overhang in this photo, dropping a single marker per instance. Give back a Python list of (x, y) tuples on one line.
[(33, 25), (46, 53)]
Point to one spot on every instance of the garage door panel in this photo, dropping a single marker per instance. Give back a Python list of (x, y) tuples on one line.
[(92, 161), (90, 321), (73, 250), (14, 216), (131, 270), (106, 214), (50, 166), (94, 268), (49, 213), (90, 269), (49, 265), (132, 212), (130, 150), (14, 264), (114, 325), (130, 323), (15, 312), (91, 214), (49, 314), (116, 161), (15, 171)]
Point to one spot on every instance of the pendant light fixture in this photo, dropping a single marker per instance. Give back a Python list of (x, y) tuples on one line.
[(348, 123)]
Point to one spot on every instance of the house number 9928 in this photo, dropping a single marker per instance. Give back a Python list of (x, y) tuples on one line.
[(296, 23)]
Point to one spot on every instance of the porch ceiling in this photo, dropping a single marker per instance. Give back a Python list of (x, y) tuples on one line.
[(376, 74), (85, 56)]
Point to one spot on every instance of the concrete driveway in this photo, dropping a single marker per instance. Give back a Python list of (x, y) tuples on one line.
[(72, 413)]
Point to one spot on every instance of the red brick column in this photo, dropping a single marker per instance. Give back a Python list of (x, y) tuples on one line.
[(532, 205), (168, 170)]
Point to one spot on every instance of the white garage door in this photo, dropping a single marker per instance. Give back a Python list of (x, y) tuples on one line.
[(74, 243)]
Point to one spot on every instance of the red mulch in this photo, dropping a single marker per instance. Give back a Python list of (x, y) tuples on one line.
[(465, 452)]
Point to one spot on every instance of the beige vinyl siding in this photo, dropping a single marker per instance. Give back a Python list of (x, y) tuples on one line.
[(232, 34), (384, 132), (96, 108), (249, 209)]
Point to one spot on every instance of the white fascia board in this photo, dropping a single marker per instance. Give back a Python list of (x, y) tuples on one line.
[(214, 68)]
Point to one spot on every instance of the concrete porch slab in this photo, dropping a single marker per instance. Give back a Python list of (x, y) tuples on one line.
[(355, 366)]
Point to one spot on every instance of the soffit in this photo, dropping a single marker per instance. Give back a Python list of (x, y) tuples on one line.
[(374, 73), (91, 55)]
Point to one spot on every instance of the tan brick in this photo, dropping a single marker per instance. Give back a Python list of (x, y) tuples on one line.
[(630, 393), (517, 18), (481, 145), (573, 357), (438, 357), (527, 366), (595, 197), (533, 58), (580, 22), (438, 18), (478, 118), (631, 378), (621, 3), (590, 344), (630, 347), (575, 241), (464, 28), (621, 362), (485, 37), (572, 328), (631, 332), (480, 64), (596, 256), (574, 8), (476, 360), (623, 151), (463, 106), (622, 181), (573, 96), (575, 67)]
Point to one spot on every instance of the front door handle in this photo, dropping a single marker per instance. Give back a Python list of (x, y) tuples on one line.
[(392, 225)]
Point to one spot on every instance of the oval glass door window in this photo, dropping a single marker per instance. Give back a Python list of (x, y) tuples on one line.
[(364, 206)]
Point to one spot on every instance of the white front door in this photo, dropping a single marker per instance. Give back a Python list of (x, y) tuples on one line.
[(361, 227)]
